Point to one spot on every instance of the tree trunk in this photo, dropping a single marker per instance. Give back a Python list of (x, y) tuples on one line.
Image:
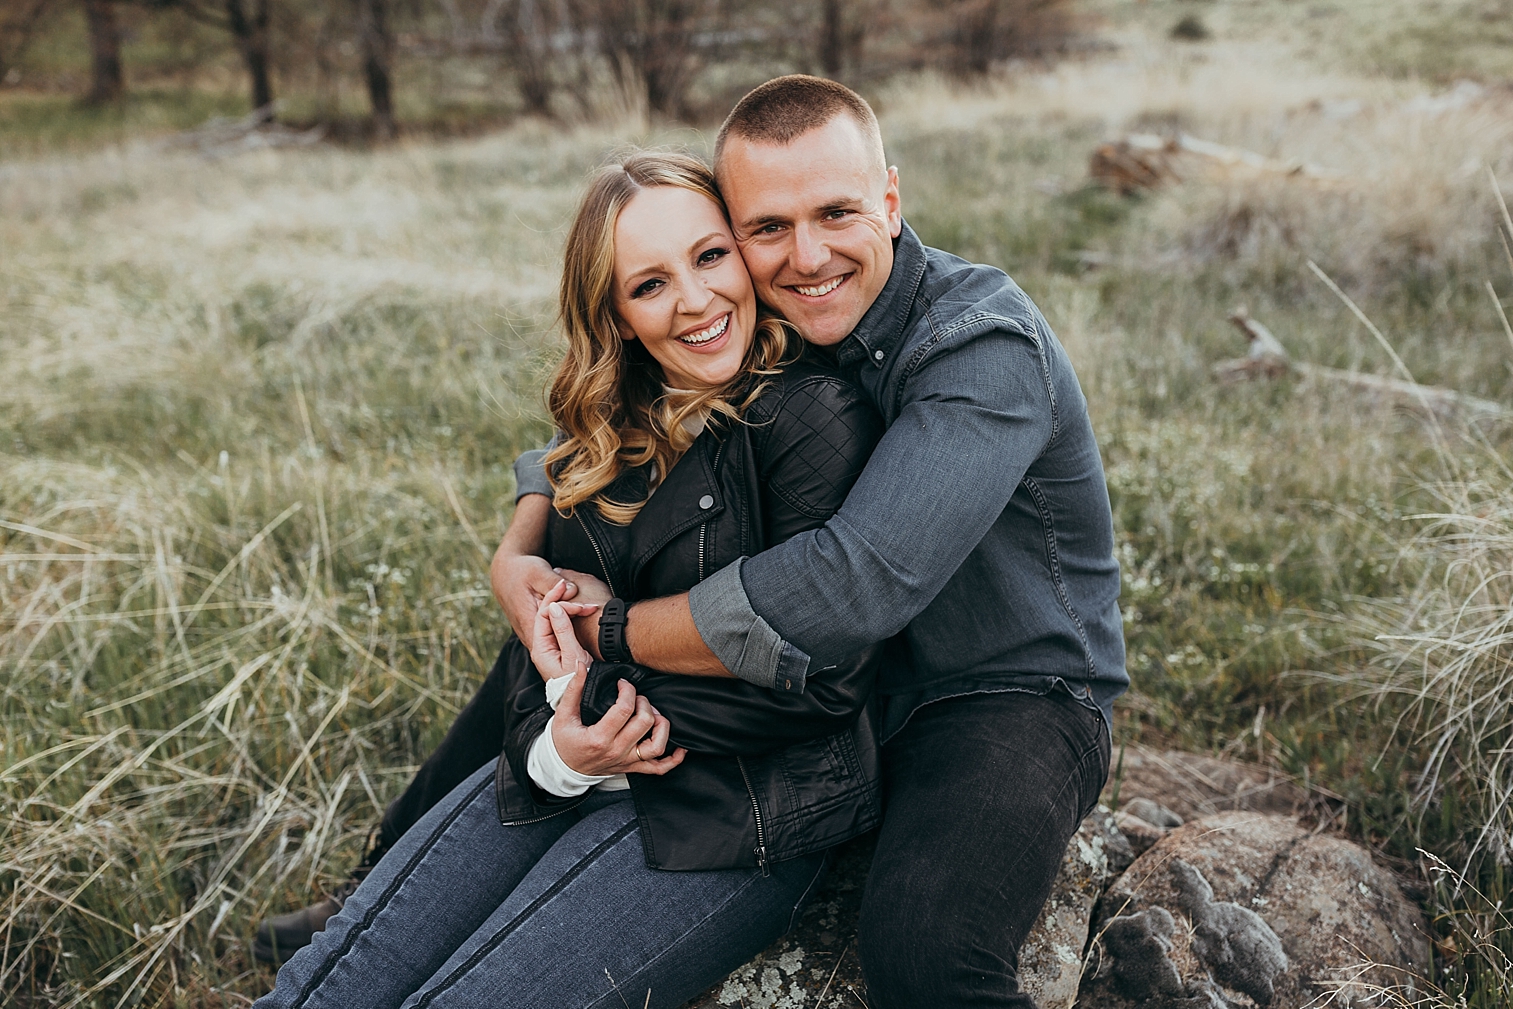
[(251, 34), (106, 83), (17, 26), (378, 51), (832, 39), (530, 53)]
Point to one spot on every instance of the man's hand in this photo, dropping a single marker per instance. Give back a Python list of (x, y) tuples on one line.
[(589, 590), (520, 583), (519, 577), (629, 739)]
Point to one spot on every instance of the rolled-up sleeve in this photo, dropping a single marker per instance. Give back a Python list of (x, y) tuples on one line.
[(530, 473), (974, 418), (744, 642)]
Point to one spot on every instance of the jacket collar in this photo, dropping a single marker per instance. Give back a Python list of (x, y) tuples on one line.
[(882, 327), (677, 505)]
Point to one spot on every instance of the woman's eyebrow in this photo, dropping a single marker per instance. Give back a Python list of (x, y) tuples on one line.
[(712, 234), (633, 279)]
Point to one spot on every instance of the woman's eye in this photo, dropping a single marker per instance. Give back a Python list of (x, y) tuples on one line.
[(712, 256), (645, 288)]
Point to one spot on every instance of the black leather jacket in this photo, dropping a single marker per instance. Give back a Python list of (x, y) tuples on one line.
[(769, 774)]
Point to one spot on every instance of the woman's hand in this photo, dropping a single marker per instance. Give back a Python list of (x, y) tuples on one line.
[(554, 647), (629, 739)]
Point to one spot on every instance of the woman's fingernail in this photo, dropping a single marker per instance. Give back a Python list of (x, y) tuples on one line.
[(558, 570)]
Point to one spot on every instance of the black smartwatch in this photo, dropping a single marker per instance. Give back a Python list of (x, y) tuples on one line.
[(612, 644)]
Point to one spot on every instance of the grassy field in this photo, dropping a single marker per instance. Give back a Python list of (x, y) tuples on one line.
[(259, 411)]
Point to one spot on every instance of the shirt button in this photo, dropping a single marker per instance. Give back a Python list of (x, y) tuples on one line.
[(878, 355), (706, 502)]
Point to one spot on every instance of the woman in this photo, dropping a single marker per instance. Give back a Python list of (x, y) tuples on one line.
[(642, 834)]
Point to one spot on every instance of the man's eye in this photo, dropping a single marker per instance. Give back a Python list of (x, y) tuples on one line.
[(645, 288), (836, 215), (712, 256), (769, 229)]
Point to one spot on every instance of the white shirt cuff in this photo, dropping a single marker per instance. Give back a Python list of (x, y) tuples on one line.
[(555, 688), (549, 770)]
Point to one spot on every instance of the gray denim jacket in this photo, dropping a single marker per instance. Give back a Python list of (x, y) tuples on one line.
[(978, 542)]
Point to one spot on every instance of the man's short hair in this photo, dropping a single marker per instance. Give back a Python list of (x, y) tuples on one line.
[(785, 108)]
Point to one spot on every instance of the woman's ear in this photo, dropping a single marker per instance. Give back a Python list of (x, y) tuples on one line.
[(625, 332)]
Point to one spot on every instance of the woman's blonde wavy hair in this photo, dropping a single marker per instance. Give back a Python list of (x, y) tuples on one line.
[(607, 396)]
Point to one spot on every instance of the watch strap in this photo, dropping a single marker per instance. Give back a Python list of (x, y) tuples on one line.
[(612, 645)]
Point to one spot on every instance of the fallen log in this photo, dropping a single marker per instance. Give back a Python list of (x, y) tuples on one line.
[(219, 137), (1145, 161), (1267, 358)]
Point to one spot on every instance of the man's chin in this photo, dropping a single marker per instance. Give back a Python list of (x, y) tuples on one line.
[(826, 330)]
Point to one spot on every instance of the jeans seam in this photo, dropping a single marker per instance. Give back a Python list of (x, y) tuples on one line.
[(752, 878), (535, 905), (384, 898), (798, 905)]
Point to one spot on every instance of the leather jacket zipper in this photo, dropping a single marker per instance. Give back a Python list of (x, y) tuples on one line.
[(703, 533), (704, 526), (599, 553), (756, 812)]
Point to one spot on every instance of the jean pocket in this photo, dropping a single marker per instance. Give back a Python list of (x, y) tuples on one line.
[(1095, 766)]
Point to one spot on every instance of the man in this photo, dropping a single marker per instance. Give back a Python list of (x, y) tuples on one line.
[(978, 543)]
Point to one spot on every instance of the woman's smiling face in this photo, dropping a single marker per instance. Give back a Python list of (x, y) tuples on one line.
[(681, 288)]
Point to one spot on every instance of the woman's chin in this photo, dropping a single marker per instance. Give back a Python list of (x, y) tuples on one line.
[(705, 372)]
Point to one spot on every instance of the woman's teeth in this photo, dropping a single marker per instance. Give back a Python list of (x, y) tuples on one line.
[(821, 290), (715, 330)]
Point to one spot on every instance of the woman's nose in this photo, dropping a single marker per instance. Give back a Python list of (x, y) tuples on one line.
[(693, 297)]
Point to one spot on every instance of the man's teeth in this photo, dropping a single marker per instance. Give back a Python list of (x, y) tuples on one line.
[(705, 335), (823, 289)]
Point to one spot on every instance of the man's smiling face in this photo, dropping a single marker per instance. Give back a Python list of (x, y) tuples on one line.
[(815, 220)]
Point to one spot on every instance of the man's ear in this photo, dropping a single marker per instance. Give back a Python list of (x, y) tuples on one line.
[(893, 203)]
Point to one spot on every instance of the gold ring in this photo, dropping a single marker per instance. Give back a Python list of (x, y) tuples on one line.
[(637, 748)]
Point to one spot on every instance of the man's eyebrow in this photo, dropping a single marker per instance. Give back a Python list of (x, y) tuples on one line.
[(844, 203), (761, 220)]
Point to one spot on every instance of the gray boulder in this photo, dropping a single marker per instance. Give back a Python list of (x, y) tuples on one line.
[(1263, 912), (1167, 787), (1050, 961), (816, 967)]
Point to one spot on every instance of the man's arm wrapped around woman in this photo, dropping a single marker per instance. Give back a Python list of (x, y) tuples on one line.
[(810, 442)]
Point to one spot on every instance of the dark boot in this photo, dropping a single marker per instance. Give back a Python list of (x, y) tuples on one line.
[(281, 936)]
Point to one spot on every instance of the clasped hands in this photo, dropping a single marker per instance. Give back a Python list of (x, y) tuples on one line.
[(632, 736)]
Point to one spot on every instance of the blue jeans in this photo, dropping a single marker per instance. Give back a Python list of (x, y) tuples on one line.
[(466, 912)]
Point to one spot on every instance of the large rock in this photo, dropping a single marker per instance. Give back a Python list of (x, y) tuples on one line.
[(816, 967), (1193, 785), (1241, 909), (1050, 961)]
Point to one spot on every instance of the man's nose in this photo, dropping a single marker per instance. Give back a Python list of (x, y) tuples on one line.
[(809, 253)]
